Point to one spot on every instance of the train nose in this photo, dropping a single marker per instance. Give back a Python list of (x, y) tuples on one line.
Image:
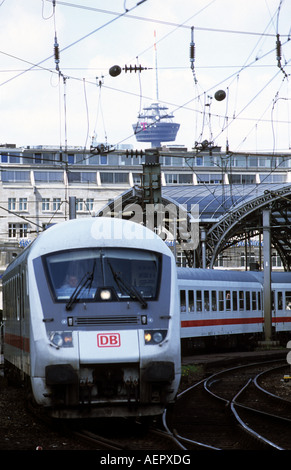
[(108, 346)]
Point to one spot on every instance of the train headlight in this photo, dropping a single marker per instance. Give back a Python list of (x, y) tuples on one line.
[(61, 339), (105, 294), (157, 337), (154, 336)]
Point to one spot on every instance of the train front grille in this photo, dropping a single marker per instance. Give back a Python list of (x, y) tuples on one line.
[(108, 320)]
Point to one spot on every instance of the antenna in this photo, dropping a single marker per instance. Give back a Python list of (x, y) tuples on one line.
[(156, 65)]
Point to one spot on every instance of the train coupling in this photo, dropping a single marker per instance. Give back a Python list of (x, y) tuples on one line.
[(132, 390)]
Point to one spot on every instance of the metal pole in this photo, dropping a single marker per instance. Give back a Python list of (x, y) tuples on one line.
[(267, 275), (203, 240), (72, 207)]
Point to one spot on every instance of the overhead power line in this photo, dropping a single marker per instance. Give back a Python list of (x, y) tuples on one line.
[(120, 15), (168, 23)]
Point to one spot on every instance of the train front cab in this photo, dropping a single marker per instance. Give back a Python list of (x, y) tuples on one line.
[(108, 351)]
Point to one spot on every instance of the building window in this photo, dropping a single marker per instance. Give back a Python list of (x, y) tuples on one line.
[(171, 178), (276, 260), (89, 204), (12, 230), (22, 230), (11, 176), (242, 179), (48, 176), (79, 204), (56, 204), (23, 204), (121, 177), (82, 177), (11, 203), (17, 230), (206, 178), (181, 260), (106, 178), (38, 158), (45, 204), (185, 178), (111, 178)]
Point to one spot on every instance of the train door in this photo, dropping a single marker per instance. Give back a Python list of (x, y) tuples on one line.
[(19, 320), (274, 310)]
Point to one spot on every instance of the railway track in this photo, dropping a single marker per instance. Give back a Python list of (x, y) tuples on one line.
[(231, 410), (129, 437)]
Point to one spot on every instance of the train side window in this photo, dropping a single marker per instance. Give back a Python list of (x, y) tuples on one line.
[(183, 300), (227, 300), (234, 300), (17, 296), (288, 300), (254, 301), (248, 300), (241, 300), (190, 300), (214, 301), (259, 300), (206, 300), (221, 300), (280, 300), (199, 301)]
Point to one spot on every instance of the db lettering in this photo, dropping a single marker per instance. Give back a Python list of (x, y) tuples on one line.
[(108, 340)]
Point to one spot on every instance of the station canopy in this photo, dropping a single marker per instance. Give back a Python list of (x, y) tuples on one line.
[(229, 213)]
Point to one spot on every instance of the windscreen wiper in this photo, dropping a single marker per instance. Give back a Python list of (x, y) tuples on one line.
[(127, 288), (84, 282)]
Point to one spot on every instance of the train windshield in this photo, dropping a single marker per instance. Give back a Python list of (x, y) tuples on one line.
[(81, 274)]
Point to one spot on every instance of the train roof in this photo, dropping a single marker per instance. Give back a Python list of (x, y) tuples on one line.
[(231, 276), (92, 232), (215, 275)]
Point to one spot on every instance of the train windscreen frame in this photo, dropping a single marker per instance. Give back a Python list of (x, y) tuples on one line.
[(125, 273)]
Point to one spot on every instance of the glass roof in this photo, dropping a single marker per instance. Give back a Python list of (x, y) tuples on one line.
[(215, 200)]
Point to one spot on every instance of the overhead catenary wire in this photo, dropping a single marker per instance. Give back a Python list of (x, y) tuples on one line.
[(170, 23), (180, 107), (77, 41)]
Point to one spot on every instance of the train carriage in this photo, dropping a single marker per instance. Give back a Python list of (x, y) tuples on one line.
[(92, 320), (219, 307)]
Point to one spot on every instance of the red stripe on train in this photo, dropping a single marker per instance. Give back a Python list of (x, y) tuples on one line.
[(230, 321), (17, 341)]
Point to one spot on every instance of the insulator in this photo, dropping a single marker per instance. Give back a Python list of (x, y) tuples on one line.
[(278, 47), (134, 68), (192, 48), (192, 51), (56, 53), (133, 153)]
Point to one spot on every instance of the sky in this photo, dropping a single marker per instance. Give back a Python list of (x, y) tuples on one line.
[(235, 51)]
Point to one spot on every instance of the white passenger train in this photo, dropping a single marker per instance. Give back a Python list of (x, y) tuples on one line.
[(92, 320), (225, 308)]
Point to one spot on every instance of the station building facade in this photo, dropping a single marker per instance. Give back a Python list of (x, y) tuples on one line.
[(37, 182)]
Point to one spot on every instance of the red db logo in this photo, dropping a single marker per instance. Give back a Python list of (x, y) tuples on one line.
[(108, 340)]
